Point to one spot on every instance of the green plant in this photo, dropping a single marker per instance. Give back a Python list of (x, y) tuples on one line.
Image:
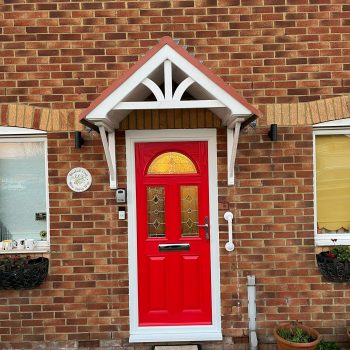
[(10, 263), (295, 335), (341, 253), (327, 345)]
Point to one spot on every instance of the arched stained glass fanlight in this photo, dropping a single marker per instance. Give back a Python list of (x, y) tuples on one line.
[(172, 163)]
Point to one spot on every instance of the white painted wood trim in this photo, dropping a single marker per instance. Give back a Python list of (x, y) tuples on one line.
[(109, 150), (176, 333), (232, 144), (229, 145), (168, 80), (169, 104), (127, 86), (47, 247), (185, 84), (114, 100), (157, 92), (337, 127), (113, 178), (206, 83)]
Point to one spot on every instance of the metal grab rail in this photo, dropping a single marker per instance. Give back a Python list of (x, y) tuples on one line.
[(229, 246)]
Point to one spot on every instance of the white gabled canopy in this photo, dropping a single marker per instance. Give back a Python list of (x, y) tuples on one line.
[(167, 77)]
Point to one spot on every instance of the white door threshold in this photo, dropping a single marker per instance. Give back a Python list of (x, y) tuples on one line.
[(177, 347), (167, 334)]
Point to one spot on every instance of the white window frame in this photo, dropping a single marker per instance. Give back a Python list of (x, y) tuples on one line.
[(336, 127), (15, 134)]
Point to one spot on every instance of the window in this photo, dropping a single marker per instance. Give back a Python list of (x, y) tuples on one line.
[(23, 188), (172, 163), (332, 182)]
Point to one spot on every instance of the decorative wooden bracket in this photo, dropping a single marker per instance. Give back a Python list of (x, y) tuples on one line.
[(168, 99), (232, 142), (108, 142)]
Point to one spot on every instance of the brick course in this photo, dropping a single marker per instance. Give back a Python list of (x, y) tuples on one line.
[(299, 50)]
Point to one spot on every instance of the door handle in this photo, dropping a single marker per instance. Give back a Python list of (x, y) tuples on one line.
[(206, 227), (173, 247)]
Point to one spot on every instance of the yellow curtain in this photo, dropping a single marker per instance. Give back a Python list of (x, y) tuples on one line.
[(333, 182)]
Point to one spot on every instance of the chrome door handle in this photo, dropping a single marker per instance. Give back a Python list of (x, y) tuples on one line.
[(173, 247), (206, 227)]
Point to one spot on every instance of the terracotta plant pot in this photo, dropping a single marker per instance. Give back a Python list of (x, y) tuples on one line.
[(283, 344)]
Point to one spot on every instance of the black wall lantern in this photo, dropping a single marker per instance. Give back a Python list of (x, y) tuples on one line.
[(273, 132), (79, 141)]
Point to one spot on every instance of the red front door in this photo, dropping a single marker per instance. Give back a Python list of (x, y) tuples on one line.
[(174, 283)]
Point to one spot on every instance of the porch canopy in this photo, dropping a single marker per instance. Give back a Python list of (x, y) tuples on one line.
[(167, 77)]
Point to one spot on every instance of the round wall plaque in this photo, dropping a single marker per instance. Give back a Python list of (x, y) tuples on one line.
[(79, 179)]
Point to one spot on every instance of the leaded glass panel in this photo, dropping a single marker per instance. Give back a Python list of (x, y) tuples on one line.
[(156, 211), (189, 211), (172, 163)]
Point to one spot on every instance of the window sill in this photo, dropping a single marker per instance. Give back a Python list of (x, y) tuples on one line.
[(332, 239), (25, 251)]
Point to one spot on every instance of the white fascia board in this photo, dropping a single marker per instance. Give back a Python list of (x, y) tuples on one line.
[(128, 85), (225, 98), (13, 131), (340, 123), (105, 122), (169, 104)]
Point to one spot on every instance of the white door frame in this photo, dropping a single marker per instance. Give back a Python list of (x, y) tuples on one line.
[(173, 333)]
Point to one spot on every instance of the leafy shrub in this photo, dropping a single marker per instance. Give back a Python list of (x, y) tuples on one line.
[(13, 262), (295, 335), (341, 253), (327, 345)]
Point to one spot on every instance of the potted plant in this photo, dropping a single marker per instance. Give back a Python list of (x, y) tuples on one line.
[(327, 345), (290, 336), (22, 272), (335, 264)]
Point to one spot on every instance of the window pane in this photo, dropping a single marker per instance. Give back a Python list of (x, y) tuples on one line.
[(333, 183), (156, 212), (172, 163), (189, 211), (22, 189)]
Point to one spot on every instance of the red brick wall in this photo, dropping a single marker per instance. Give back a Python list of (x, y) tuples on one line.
[(273, 227), (85, 298), (63, 54)]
